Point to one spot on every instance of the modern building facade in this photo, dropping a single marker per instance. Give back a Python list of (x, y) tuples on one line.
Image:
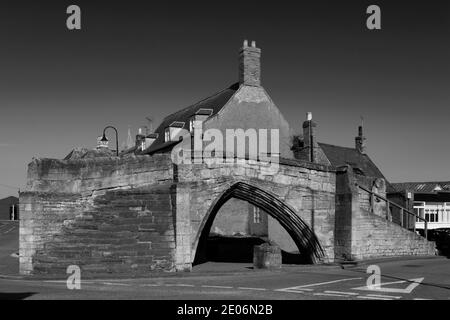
[(429, 200)]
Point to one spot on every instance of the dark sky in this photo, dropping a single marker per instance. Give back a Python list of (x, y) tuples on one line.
[(59, 88)]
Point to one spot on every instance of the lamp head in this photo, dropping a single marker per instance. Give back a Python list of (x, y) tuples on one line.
[(104, 138)]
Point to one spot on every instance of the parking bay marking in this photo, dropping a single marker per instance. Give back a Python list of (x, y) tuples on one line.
[(255, 289), (383, 296), (372, 298), (307, 286), (217, 287), (330, 295), (342, 293), (379, 288)]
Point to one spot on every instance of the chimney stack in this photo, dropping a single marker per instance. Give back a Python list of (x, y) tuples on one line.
[(140, 140), (360, 140), (309, 137), (250, 65)]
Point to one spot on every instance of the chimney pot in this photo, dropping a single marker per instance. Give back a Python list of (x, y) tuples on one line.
[(360, 141), (250, 65), (309, 138)]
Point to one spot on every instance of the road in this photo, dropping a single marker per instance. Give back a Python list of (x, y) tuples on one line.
[(401, 279), (9, 244)]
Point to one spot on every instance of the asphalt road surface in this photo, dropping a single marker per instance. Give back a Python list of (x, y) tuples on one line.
[(400, 279), (9, 245)]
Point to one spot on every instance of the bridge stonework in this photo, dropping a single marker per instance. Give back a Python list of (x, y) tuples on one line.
[(138, 214)]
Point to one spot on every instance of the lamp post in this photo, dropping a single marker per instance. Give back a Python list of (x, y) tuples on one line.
[(105, 139)]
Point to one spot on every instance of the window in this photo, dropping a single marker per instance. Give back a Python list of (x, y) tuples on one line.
[(419, 210), (191, 125), (167, 135), (256, 215), (431, 215)]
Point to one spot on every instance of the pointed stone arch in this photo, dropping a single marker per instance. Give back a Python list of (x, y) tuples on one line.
[(301, 233)]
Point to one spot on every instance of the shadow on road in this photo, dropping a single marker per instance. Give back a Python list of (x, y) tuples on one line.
[(15, 295), (234, 249)]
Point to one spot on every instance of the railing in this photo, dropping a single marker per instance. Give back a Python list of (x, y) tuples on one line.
[(402, 210)]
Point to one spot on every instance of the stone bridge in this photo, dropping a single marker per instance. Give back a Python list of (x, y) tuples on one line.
[(137, 214)]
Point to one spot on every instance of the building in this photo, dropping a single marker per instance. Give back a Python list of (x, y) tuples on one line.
[(237, 218), (429, 200), (9, 208), (155, 214)]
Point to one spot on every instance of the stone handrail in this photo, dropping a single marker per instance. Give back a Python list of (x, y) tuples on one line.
[(402, 210)]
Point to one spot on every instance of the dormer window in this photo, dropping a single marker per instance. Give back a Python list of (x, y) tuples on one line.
[(173, 130), (204, 112), (149, 139), (201, 115)]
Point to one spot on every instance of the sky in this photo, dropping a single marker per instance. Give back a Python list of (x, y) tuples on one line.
[(133, 59)]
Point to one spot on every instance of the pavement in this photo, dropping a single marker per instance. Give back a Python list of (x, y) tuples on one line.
[(407, 278)]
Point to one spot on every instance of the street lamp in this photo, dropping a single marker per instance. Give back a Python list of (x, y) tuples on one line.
[(105, 139)]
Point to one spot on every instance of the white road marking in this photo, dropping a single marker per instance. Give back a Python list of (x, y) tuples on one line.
[(257, 289), (421, 299), (380, 288), (294, 289), (329, 294), (341, 292), (372, 298), (150, 285), (297, 290), (383, 296), (218, 287), (116, 284), (179, 285)]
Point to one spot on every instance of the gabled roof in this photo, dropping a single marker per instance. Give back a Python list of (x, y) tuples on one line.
[(341, 156), (423, 187), (9, 200), (215, 102)]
